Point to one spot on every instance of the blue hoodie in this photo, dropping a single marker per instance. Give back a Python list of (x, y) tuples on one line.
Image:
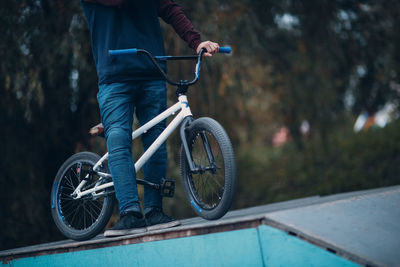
[(135, 24)]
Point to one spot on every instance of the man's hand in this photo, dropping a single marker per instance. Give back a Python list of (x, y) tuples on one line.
[(211, 48)]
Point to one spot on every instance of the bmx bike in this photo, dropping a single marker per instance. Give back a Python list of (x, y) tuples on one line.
[(83, 197)]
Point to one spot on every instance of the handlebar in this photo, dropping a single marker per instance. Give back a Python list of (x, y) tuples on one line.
[(225, 49), (154, 59), (134, 51)]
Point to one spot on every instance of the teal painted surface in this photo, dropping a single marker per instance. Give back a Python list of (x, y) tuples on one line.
[(367, 225), (234, 248), (280, 249), (262, 246)]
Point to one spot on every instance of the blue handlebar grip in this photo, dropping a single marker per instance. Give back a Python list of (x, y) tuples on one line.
[(132, 51), (225, 49)]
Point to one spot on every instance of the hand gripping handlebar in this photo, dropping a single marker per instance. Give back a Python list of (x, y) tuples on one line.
[(154, 59)]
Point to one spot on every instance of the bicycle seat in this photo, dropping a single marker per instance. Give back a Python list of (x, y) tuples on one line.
[(97, 130)]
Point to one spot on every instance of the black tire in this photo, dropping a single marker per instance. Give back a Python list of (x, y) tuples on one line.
[(80, 219), (210, 192)]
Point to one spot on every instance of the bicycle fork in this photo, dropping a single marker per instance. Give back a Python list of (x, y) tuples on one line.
[(206, 145)]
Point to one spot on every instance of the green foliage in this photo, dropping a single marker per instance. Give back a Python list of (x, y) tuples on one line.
[(353, 161)]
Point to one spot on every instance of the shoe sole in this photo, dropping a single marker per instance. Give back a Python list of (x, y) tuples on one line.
[(163, 225), (113, 233)]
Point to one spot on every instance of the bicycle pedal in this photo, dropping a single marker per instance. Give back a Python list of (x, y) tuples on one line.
[(167, 187)]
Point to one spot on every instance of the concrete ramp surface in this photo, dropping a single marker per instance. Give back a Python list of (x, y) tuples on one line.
[(350, 229)]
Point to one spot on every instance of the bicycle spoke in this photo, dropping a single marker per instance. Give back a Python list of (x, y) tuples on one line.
[(75, 213), (84, 217), (67, 205), (215, 180), (96, 206), (66, 196), (69, 181), (216, 192), (92, 211), (88, 212), (208, 184), (204, 182), (91, 215), (69, 215), (75, 173), (68, 212)]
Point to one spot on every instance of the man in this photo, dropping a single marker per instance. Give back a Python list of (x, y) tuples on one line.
[(131, 82)]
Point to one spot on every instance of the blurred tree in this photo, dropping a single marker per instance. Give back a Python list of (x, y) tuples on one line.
[(45, 108)]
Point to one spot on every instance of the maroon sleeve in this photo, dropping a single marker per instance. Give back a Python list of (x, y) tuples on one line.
[(107, 2), (172, 14)]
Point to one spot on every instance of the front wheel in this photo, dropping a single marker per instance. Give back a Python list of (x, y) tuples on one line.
[(84, 218), (210, 187)]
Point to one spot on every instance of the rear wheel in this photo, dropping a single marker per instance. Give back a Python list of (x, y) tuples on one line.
[(211, 187), (84, 218)]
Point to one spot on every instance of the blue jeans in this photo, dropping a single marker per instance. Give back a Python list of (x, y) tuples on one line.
[(118, 102)]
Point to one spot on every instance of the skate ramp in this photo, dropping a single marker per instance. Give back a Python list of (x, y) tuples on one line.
[(350, 229)]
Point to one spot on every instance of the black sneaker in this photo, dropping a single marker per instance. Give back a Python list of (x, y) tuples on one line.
[(156, 220), (128, 224)]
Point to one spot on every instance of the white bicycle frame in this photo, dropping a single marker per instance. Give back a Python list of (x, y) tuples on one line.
[(182, 105)]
